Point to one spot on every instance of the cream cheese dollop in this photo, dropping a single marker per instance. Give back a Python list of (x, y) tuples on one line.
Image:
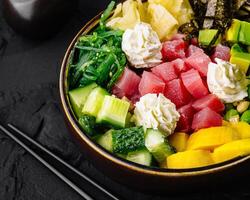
[(156, 112), (227, 81), (142, 46)]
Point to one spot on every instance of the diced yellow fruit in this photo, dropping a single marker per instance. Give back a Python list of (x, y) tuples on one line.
[(243, 128), (189, 159), (181, 9), (225, 123), (173, 6), (130, 16), (161, 20), (210, 138), (118, 11), (233, 32), (231, 150), (179, 141), (143, 10)]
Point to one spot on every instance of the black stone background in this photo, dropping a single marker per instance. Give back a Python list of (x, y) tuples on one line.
[(29, 72)]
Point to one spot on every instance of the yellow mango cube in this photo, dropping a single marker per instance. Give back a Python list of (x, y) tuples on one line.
[(189, 159), (210, 138), (243, 128), (231, 150), (179, 141), (226, 123)]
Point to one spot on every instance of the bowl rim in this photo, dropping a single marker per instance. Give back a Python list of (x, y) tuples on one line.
[(107, 155)]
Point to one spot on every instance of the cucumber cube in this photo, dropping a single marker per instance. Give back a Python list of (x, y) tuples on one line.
[(105, 141), (142, 157), (128, 140), (162, 151), (157, 145), (153, 139), (94, 101), (78, 98), (123, 141), (113, 111)]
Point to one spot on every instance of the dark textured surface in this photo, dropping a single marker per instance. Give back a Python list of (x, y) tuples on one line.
[(29, 73)]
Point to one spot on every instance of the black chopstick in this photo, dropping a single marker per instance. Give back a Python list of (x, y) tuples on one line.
[(46, 151), (45, 163)]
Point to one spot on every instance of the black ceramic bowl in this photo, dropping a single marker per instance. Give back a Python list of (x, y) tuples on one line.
[(147, 179)]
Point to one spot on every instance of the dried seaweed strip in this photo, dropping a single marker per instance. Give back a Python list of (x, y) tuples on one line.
[(224, 14), (210, 14), (199, 7)]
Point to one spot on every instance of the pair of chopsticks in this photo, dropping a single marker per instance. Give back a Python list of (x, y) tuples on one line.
[(23, 137)]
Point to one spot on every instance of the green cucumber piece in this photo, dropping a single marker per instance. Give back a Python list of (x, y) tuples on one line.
[(94, 101), (162, 151), (113, 111), (157, 145), (89, 126), (122, 141), (105, 141), (128, 140), (142, 157), (78, 98)]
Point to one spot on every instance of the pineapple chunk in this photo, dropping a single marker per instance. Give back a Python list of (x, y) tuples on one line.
[(189, 159), (173, 6), (118, 11), (210, 138), (143, 11), (231, 150), (162, 21), (181, 9), (129, 18)]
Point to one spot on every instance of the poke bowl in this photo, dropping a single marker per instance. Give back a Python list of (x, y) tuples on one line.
[(157, 92)]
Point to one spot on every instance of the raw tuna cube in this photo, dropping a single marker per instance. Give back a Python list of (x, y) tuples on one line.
[(177, 93), (180, 65), (150, 83), (209, 101), (199, 61), (127, 84), (165, 71), (194, 83), (118, 92), (193, 49), (206, 118), (194, 41), (185, 122), (135, 98), (173, 49), (222, 52)]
